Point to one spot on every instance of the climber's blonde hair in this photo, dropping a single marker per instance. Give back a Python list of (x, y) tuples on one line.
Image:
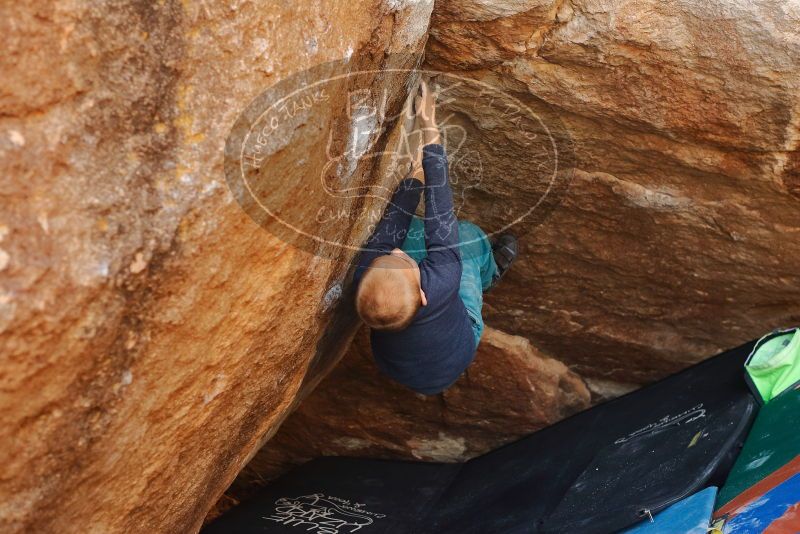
[(388, 295)]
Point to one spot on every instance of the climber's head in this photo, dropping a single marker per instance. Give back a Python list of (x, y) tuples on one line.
[(389, 294)]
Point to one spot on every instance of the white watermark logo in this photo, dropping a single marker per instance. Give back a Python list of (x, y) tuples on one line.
[(322, 514), (315, 158)]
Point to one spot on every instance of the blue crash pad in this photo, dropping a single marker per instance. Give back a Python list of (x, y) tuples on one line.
[(692, 515), (775, 512)]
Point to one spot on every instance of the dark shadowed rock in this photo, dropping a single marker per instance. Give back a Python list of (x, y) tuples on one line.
[(510, 390)]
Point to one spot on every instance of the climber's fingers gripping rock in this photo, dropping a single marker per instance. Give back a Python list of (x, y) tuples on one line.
[(425, 107)]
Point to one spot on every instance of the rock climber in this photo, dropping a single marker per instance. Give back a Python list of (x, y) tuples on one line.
[(420, 283)]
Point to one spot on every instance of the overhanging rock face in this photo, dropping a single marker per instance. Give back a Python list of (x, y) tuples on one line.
[(152, 336), (510, 390), (674, 231), (679, 234)]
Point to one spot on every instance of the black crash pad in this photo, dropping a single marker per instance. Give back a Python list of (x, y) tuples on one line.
[(598, 471)]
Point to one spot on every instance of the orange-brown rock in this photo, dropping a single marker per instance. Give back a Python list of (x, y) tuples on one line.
[(510, 390), (152, 336), (679, 234), (674, 230)]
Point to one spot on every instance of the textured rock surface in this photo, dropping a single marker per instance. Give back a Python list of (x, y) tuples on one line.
[(510, 390), (151, 335), (680, 234)]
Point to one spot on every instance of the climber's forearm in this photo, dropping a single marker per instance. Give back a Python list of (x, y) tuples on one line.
[(417, 171), (392, 228), (441, 226), (431, 133)]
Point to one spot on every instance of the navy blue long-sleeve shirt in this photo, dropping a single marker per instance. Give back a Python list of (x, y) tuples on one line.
[(431, 353)]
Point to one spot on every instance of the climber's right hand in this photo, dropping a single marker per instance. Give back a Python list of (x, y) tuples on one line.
[(425, 106)]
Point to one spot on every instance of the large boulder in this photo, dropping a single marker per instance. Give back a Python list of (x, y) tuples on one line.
[(659, 225), (152, 335), (678, 233)]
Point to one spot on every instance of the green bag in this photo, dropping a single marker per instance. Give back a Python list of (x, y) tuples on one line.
[(774, 364)]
